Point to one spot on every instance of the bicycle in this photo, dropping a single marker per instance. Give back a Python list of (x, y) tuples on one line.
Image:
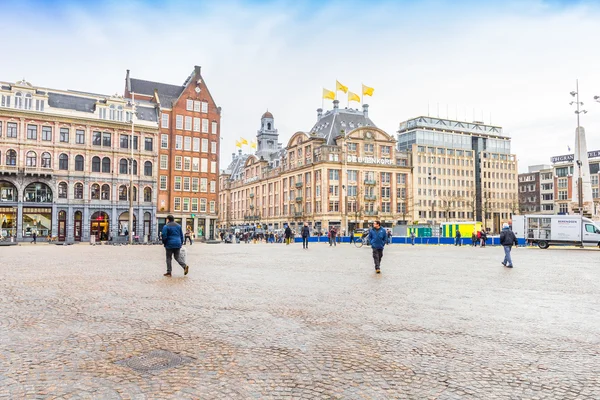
[(360, 242)]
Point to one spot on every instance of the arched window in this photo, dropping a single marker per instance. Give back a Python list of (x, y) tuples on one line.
[(269, 126), (123, 192), (134, 193), (123, 166), (11, 157), (31, 159), (37, 193), (8, 192), (105, 192), (46, 160), (147, 194), (28, 101), (135, 167), (96, 164), (63, 162), (78, 191), (106, 164), (63, 190), (111, 112), (19, 100), (79, 164), (95, 192), (148, 168), (120, 113)]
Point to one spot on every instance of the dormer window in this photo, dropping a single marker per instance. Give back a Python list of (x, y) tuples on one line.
[(111, 112), (19, 100), (28, 101), (120, 113), (39, 105), (102, 113)]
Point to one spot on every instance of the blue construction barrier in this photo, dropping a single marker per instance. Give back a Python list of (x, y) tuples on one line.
[(493, 241)]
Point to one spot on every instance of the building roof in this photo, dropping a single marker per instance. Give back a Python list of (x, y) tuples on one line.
[(77, 103), (166, 93), (267, 115), (334, 121), (236, 167)]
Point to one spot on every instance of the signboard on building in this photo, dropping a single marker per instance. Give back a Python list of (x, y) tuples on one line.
[(571, 157), (369, 160)]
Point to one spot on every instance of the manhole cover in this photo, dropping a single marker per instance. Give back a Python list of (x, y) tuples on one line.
[(155, 360)]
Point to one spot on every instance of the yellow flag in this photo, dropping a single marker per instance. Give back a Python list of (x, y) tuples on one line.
[(353, 97), (368, 91), (328, 94), (339, 86), (253, 145), (238, 144), (243, 141)]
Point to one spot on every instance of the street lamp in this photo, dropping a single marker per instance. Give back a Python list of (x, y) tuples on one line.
[(579, 111)]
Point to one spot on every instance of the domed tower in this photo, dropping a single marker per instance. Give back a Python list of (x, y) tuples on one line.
[(267, 136)]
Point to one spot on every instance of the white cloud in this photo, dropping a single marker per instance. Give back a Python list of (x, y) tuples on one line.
[(517, 61)]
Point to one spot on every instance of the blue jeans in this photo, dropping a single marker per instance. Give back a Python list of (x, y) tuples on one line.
[(507, 259)]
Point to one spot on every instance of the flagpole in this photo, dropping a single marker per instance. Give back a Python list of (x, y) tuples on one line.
[(322, 99)]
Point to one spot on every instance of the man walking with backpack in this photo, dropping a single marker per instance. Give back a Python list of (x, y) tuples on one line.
[(507, 240), (377, 238), (172, 237)]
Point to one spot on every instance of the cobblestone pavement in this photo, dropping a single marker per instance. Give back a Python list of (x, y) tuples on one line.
[(275, 321)]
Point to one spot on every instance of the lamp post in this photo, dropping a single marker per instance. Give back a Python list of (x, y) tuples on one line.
[(131, 170), (578, 111)]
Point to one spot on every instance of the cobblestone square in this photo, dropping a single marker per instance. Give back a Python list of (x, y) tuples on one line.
[(274, 321)]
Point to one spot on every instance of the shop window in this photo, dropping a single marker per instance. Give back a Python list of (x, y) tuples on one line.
[(37, 193), (8, 192), (78, 191), (105, 192), (95, 192), (62, 190)]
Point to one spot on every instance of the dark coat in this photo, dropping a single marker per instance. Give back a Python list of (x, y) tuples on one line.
[(288, 232), (377, 238), (305, 231), (508, 238), (172, 236)]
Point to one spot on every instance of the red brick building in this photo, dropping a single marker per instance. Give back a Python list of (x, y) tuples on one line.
[(189, 128)]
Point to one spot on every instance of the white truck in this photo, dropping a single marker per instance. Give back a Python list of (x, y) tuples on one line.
[(547, 230)]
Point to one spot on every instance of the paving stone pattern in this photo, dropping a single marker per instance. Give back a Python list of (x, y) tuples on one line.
[(274, 321)]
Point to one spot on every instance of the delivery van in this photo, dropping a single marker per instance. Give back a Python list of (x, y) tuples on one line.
[(547, 230)]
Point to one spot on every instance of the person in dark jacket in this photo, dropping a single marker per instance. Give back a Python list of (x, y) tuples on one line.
[(507, 240), (288, 235), (332, 235), (172, 238), (458, 241), (377, 238), (389, 236), (305, 234)]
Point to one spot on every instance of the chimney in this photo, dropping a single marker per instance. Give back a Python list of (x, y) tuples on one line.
[(319, 114), (196, 72), (128, 82), (336, 105), (366, 110)]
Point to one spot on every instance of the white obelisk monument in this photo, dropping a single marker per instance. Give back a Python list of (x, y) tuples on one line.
[(581, 170)]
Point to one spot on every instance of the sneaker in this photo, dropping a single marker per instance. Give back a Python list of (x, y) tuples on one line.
[(167, 274), (504, 264), (377, 270), (186, 270), (509, 266)]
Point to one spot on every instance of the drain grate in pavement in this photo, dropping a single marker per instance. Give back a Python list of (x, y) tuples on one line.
[(156, 360)]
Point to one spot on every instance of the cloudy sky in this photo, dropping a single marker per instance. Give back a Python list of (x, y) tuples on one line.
[(513, 63)]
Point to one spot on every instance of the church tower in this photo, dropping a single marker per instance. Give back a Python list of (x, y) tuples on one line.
[(266, 137)]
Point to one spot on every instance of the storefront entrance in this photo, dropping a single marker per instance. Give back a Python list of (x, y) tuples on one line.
[(38, 220), (77, 226), (147, 222), (124, 224), (62, 226), (99, 225)]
